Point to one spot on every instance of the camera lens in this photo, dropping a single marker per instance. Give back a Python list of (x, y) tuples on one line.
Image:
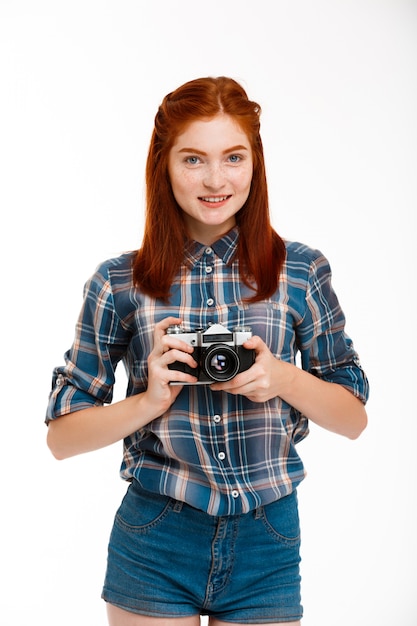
[(221, 363)]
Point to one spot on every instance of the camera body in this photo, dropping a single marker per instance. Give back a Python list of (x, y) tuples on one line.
[(219, 353)]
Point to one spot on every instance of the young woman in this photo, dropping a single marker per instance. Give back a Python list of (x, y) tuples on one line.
[(209, 524)]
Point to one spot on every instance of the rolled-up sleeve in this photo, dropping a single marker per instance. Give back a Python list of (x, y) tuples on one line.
[(87, 377), (327, 351)]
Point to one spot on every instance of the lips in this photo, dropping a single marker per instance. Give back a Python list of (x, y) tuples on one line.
[(213, 199)]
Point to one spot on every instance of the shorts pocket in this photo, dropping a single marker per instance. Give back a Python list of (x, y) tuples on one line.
[(281, 520), (140, 510)]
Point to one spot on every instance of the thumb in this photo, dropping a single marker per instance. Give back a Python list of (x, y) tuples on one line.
[(254, 343)]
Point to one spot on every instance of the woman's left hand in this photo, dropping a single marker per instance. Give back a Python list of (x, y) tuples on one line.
[(328, 404), (260, 382)]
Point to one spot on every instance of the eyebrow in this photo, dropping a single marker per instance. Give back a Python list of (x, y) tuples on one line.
[(195, 151)]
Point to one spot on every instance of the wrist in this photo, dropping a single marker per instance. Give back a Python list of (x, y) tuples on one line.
[(286, 377), (151, 405)]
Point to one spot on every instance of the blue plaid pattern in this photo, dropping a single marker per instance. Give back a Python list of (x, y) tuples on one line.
[(218, 452)]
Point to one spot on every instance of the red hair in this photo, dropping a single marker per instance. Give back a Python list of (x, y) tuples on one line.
[(261, 251)]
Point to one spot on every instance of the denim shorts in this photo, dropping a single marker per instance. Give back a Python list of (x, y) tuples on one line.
[(167, 559)]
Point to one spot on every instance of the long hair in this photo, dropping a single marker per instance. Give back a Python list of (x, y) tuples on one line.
[(260, 251)]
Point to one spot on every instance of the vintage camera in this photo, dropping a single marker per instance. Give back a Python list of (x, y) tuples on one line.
[(218, 352)]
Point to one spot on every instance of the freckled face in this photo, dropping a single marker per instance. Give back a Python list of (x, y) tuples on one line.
[(210, 167)]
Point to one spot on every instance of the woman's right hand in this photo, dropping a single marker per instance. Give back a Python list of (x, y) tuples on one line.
[(166, 350), (99, 426)]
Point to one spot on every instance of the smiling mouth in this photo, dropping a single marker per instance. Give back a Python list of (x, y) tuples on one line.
[(214, 199)]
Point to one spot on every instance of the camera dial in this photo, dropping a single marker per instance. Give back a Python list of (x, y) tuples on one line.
[(174, 329)]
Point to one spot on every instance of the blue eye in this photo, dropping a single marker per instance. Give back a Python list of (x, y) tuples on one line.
[(192, 160), (234, 158)]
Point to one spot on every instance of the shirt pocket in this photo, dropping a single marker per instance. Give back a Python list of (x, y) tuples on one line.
[(273, 322)]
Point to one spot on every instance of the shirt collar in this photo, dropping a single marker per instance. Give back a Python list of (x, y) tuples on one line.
[(224, 248)]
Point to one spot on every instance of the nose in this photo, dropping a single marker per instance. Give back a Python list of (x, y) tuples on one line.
[(214, 178)]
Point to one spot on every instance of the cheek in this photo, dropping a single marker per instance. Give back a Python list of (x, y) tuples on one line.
[(243, 179), (182, 182), (177, 185)]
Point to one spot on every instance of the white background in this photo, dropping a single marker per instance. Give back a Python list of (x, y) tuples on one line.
[(80, 84)]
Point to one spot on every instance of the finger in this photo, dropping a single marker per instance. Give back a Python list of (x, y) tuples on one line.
[(160, 332), (254, 343), (173, 355), (235, 385), (178, 379), (162, 326), (172, 342), (243, 390)]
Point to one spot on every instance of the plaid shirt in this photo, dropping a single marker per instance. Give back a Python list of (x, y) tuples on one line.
[(221, 453)]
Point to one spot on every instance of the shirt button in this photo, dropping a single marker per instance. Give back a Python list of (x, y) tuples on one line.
[(209, 269), (209, 250), (210, 302), (235, 493), (222, 456), (217, 419)]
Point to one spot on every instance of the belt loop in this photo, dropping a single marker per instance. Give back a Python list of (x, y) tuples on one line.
[(178, 506), (259, 512)]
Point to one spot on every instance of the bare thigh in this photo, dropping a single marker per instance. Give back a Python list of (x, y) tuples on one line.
[(119, 617), (216, 622)]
